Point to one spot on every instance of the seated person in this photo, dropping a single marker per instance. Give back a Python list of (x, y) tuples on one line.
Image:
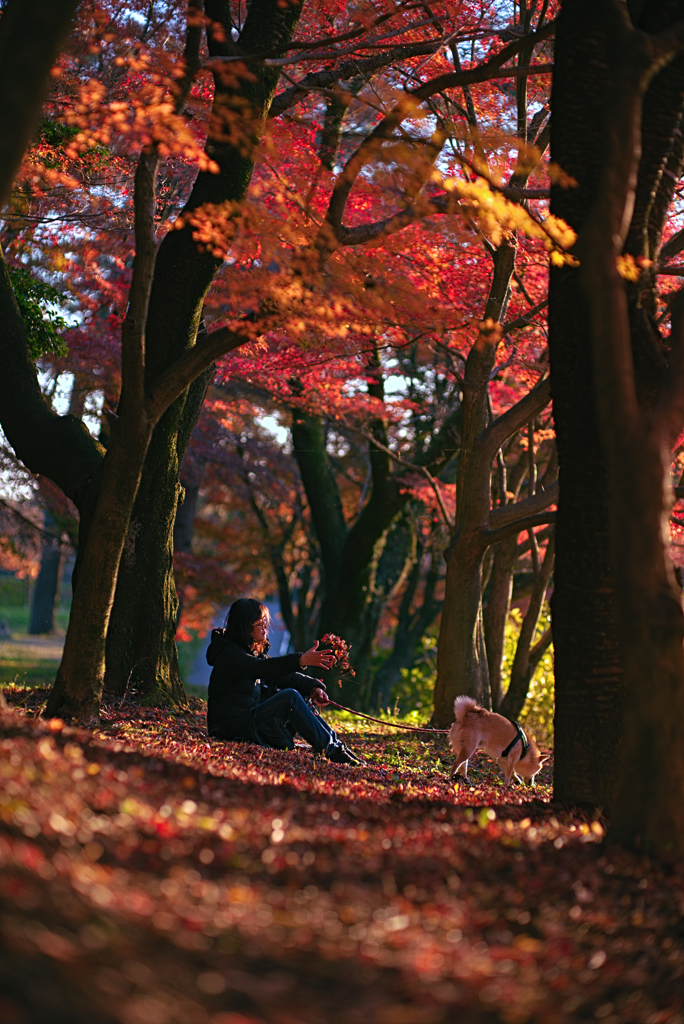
[(263, 700)]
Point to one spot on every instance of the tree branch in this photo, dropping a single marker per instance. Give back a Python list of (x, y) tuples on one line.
[(31, 35), (170, 384), (492, 438), (411, 100), (522, 510), (415, 468), (513, 529), (349, 69)]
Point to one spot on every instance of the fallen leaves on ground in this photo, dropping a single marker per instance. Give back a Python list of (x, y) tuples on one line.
[(150, 876)]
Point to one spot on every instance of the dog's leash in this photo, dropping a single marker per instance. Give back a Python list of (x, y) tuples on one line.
[(392, 725)]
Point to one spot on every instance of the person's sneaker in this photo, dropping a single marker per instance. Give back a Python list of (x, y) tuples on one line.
[(354, 757), (340, 754)]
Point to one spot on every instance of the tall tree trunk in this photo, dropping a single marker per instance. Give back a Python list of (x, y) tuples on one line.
[(141, 643), (31, 35), (589, 690), (357, 564), (589, 683), (78, 687), (461, 660), (500, 585), (649, 803)]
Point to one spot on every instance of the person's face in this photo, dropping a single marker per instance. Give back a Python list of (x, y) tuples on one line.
[(260, 629)]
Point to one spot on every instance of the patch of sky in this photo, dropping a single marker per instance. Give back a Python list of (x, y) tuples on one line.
[(59, 390), (274, 427), (16, 484)]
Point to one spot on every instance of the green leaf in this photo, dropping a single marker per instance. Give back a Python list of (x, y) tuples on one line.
[(43, 326)]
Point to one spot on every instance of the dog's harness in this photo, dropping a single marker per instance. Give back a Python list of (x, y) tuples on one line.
[(520, 735)]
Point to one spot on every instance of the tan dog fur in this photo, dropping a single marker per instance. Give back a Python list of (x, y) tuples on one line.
[(476, 727)]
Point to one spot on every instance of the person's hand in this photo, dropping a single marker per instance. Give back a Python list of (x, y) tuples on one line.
[(319, 696), (320, 659)]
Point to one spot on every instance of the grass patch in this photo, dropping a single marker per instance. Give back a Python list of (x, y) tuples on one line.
[(29, 660), (18, 617)]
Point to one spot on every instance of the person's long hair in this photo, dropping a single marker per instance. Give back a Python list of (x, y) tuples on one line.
[(240, 621)]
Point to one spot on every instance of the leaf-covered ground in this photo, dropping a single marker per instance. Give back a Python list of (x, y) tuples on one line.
[(149, 876)]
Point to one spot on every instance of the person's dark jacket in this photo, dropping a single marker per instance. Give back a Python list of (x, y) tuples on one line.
[(240, 681)]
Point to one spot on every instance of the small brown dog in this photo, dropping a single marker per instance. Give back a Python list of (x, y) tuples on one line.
[(497, 736)]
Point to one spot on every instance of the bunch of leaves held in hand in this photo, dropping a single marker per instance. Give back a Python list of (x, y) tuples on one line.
[(340, 648)]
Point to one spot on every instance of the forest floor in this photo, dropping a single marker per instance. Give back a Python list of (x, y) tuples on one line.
[(149, 876)]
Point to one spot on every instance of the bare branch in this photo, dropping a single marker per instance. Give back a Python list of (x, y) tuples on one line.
[(522, 510), (318, 80), (426, 206), (491, 439), (513, 529), (414, 467), (525, 319), (677, 270), (411, 100)]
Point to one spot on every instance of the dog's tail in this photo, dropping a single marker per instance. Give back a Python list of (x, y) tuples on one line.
[(465, 705)]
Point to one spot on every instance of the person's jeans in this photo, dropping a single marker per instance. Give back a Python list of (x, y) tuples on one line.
[(289, 706)]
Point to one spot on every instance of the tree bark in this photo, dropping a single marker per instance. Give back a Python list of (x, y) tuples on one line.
[(354, 559), (141, 646), (500, 586), (649, 803), (78, 687), (31, 34), (588, 676), (460, 668), (589, 682)]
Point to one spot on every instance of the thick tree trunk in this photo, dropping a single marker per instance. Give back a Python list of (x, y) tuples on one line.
[(141, 647), (31, 35), (649, 803), (589, 688), (589, 684), (359, 563), (355, 611), (461, 668), (80, 678)]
